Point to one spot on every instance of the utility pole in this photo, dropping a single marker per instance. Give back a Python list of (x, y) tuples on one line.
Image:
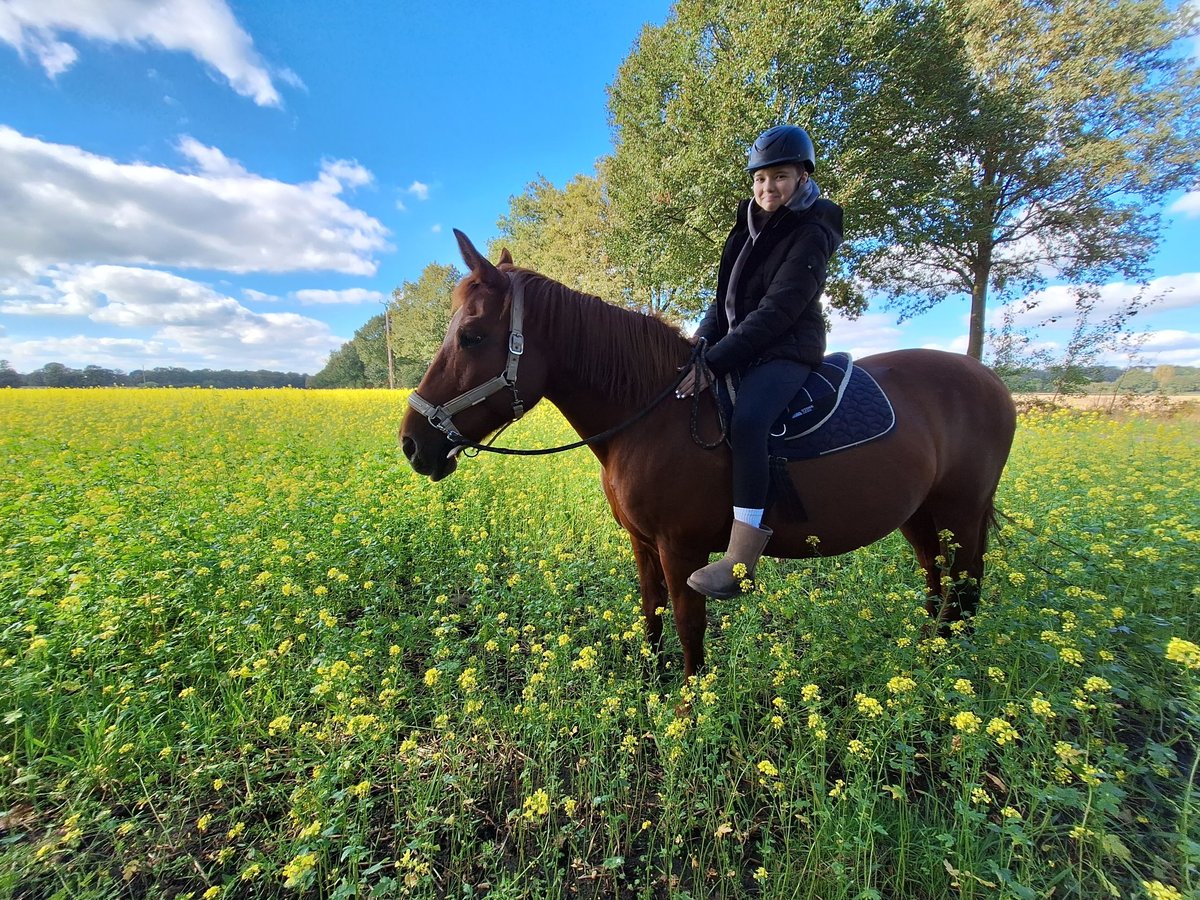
[(387, 340)]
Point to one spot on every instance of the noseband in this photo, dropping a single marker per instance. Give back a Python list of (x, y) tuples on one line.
[(440, 416)]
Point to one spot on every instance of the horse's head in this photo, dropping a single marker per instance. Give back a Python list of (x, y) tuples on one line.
[(471, 387)]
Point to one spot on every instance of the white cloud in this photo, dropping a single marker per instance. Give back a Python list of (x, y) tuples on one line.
[(437, 229), (419, 189), (63, 204), (205, 29), (1058, 302), (348, 295), (191, 323), (1188, 204)]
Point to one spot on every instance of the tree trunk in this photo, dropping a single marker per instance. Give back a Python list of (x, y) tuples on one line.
[(982, 271)]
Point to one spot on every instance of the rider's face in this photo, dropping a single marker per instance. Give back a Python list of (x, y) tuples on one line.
[(775, 185)]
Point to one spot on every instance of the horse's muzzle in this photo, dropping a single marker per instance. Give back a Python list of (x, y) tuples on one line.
[(435, 461)]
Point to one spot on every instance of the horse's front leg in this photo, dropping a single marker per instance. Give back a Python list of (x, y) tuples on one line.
[(653, 590), (689, 606)]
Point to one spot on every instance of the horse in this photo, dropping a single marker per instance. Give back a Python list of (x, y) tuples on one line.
[(933, 476)]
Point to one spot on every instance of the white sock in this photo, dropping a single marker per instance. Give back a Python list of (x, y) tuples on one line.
[(749, 516)]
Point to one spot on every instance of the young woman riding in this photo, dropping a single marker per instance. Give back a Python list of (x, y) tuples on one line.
[(765, 326)]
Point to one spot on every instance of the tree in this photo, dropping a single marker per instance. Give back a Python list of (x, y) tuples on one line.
[(1080, 119), (873, 83), (369, 342), (419, 313), (9, 377), (343, 369), (563, 234)]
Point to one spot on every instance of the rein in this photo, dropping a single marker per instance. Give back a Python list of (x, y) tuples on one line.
[(440, 415)]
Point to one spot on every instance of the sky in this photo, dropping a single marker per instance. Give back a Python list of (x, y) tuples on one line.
[(214, 184)]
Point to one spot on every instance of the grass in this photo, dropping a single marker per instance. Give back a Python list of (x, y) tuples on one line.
[(247, 652)]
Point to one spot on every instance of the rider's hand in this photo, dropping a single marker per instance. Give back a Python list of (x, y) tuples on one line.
[(692, 384)]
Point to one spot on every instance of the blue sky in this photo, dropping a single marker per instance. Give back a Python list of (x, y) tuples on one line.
[(240, 185)]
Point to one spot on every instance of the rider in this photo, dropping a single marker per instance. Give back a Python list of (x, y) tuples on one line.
[(765, 325)]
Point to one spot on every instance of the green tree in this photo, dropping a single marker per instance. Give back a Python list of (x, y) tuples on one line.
[(873, 83), (9, 377), (419, 312), (563, 234), (1081, 118), (343, 369), (370, 344)]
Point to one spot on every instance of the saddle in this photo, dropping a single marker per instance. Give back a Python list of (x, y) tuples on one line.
[(840, 406)]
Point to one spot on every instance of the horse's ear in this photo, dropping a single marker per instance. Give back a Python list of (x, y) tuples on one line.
[(477, 262), (505, 257)]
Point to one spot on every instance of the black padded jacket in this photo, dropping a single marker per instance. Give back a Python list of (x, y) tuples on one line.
[(778, 295)]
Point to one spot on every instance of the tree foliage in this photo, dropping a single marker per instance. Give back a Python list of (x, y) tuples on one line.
[(1080, 119), (420, 311), (979, 147), (871, 82), (343, 369), (563, 234)]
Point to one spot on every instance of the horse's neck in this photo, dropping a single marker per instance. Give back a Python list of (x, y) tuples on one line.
[(605, 364)]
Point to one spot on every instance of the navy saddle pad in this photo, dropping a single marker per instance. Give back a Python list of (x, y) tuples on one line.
[(840, 406)]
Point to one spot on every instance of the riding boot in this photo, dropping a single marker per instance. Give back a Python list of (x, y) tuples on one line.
[(746, 544)]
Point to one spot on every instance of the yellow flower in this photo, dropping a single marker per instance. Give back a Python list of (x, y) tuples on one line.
[(536, 806), (768, 768), (297, 870), (1187, 655), (810, 693), (432, 676), (279, 725), (901, 684), (964, 687), (1041, 707), (868, 706), (1156, 890), (1003, 731), (966, 722), (311, 830), (468, 680)]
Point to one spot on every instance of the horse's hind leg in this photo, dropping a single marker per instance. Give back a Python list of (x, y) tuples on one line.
[(921, 532), (949, 546)]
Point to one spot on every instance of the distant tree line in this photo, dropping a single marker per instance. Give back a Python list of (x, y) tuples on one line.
[(58, 375), (1107, 379)]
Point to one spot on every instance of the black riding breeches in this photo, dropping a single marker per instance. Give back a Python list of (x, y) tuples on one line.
[(763, 394)]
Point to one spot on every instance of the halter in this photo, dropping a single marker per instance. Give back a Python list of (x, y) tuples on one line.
[(440, 417)]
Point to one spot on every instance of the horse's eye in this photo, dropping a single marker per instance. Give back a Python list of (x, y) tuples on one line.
[(467, 340)]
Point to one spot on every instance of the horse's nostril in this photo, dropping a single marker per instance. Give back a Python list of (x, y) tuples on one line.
[(409, 446)]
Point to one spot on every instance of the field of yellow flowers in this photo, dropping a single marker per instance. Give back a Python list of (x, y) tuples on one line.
[(246, 652)]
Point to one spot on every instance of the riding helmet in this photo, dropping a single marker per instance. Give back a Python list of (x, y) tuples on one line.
[(781, 145)]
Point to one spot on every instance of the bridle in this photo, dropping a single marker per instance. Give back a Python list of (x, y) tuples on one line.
[(441, 416)]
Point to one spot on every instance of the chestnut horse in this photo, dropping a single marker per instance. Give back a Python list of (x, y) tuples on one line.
[(516, 336)]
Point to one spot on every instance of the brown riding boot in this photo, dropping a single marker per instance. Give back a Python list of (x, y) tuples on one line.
[(746, 545)]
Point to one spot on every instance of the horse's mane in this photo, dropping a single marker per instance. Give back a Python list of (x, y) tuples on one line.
[(630, 354)]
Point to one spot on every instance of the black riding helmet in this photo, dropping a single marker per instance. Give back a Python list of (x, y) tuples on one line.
[(781, 145)]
